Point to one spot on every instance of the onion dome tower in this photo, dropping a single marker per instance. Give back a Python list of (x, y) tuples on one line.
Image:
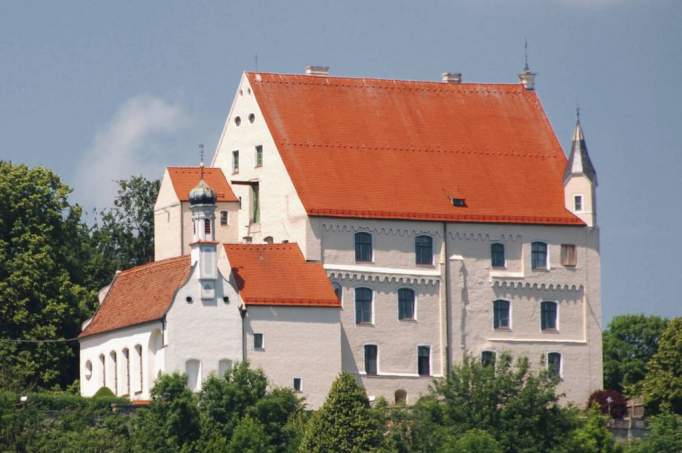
[(202, 201)]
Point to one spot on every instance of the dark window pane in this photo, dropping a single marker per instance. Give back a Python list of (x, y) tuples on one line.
[(363, 247), (235, 161), (371, 359), (337, 290), (539, 255), (424, 360), (223, 217), (258, 341), (424, 249), (363, 305), (207, 226), (554, 363), (405, 303), (259, 156), (297, 384), (488, 358), (255, 203), (548, 311), (497, 255), (501, 314)]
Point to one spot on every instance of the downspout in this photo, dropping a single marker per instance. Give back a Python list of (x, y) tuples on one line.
[(242, 313), (448, 327)]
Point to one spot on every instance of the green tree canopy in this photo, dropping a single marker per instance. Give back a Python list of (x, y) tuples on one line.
[(473, 441), (249, 437), (662, 387), (344, 423), (665, 435), (629, 342), (43, 283)]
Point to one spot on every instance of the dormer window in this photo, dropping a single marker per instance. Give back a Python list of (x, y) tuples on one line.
[(459, 202)]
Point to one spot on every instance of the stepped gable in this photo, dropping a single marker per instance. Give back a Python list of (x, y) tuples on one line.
[(278, 274), (395, 149)]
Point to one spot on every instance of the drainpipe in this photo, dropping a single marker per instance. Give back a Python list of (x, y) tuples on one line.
[(242, 312), (448, 327)]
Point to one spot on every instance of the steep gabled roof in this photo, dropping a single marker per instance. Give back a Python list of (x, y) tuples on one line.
[(372, 148), (278, 274), (138, 295), (185, 178)]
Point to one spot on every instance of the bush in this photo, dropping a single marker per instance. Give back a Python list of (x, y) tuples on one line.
[(617, 407), (103, 392)]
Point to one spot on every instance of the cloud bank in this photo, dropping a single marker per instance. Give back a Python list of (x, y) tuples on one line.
[(130, 144)]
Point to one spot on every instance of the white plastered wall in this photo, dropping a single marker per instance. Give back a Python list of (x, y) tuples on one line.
[(581, 185), (301, 342), (282, 215)]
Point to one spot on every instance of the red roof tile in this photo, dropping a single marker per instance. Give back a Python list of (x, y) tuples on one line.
[(371, 148), (139, 295), (278, 274), (186, 178)]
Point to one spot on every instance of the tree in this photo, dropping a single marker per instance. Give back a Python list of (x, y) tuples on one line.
[(249, 437), (43, 283), (171, 423), (629, 342), (344, 423), (277, 412), (473, 441), (610, 402), (123, 236), (591, 436), (662, 387), (665, 435)]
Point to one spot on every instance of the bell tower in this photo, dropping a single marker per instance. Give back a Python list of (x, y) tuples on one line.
[(580, 179), (202, 200)]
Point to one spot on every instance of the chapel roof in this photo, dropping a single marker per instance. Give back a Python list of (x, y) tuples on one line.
[(184, 179), (266, 274), (396, 149)]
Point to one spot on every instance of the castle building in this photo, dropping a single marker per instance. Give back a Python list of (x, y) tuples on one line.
[(386, 228)]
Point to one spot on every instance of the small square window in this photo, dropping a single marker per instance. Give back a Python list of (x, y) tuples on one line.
[(258, 341), (298, 384), (223, 217), (459, 202), (568, 255), (578, 203)]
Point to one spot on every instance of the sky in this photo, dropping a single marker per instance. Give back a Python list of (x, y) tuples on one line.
[(98, 91)]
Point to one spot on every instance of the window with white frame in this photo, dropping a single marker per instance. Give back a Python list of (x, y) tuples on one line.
[(554, 363), (539, 255), (363, 247), (258, 341), (424, 360), (223, 217), (423, 248), (406, 304), (548, 315), (298, 384), (578, 203), (363, 306), (497, 258), (371, 355), (501, 315)]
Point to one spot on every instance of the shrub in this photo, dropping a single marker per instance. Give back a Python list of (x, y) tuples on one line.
[(617, 407)]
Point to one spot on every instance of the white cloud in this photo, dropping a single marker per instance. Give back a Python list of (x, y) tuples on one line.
[(130, 144)]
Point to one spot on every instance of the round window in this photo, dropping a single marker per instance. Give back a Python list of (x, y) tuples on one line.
[(237, 120), (252, 117)]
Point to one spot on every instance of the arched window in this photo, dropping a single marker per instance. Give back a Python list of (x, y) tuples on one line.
[(103, 370), (539, 255), (207, 226), (501, 314), (400, 397), (139, 376), (363, 305), (338, 290), (363, 247), (126, 366), (497, 258), (554, 363), (193, 370), (371, 354), (548, 315), (423, 248), (405, 304), (88, 370), (114, 371)]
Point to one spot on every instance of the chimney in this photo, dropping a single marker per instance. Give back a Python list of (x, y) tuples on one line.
[(317, 70), (452, 77)]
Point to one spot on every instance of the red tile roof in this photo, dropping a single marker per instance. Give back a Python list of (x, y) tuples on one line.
[(267, 274), (371, 148), (186, 178), (139, 295), (278, 274)]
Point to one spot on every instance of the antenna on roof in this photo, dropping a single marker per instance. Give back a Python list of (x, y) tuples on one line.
[(577, 113), (201, 159), (525, 54), (255, 59)]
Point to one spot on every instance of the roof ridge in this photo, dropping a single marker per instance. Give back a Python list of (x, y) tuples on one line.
[(154, 264)]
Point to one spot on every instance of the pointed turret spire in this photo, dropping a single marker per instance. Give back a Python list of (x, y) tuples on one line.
[(527, 77), (579, 162)]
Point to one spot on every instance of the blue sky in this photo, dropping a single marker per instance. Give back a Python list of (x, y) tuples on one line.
[(100, 90)]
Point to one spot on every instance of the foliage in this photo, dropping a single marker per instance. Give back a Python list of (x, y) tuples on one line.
[(123, 236), (665, 435), (662, 387), (171, 423), (616, 408), (103, 392), (629, 342), (249, 437), (344, 423), (473, 441), (591, 436), (43, 285)]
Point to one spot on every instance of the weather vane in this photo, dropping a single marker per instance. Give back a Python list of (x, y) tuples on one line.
[(201, 159)]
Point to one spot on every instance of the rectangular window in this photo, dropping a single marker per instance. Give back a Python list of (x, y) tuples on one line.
[(501, 314), (223, 217), (548, 315), (235, 161), (363, 305), (424, 249), (255, 203), (539, 255), (257, 341), (259, 156), (424, 360), (405, 304), (488, 358), (371, 352), (568, 255), (554, 363), (298, 384), (578, 203), (363, 247), (497, 255), (207, 226)]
